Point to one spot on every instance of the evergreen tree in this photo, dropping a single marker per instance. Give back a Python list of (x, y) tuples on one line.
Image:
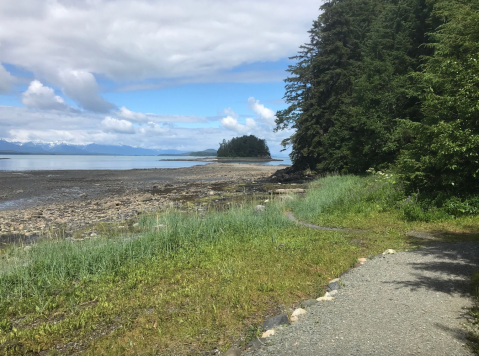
[(351, 86), (444, 158), (244, 146)]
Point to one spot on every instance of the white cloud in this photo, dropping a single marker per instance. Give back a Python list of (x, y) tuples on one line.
[(152, 129), (132, 116), (266, 115), (38, 96), (230, 112), (232, 124), (110, 124), (6, 80), (82, 87), (139, 117), (141, 39)]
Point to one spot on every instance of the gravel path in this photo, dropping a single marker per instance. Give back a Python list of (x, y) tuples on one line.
[(409, 303)]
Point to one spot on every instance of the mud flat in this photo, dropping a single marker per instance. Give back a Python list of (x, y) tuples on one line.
[(34, 202)]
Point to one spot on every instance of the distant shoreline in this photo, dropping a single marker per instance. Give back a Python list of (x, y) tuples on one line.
[(224, 160)]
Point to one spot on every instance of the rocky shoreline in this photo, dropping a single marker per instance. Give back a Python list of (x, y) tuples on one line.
[(224, 160), (42, 203)]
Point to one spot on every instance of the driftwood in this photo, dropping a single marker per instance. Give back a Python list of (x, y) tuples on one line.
[(288, 191)]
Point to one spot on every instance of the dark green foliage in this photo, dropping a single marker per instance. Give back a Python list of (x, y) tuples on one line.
[(244, 146), (444, 157), (351, 86), (209, 152), (390, 83)]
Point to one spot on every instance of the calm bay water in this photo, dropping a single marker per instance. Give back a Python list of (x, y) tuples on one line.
[(54, 162)]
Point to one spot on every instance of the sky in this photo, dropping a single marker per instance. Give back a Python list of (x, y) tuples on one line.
[(163, 74)]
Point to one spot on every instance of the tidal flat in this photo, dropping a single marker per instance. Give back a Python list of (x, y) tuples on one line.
[(36, 203)]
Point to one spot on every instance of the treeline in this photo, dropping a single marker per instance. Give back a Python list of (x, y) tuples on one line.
[(244, 146), (389, 84)]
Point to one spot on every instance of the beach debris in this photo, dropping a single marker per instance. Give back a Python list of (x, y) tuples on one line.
[(259, 208), (288, 191)]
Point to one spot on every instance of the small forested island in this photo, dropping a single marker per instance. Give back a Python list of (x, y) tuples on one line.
[(244, 146), (239, 149)]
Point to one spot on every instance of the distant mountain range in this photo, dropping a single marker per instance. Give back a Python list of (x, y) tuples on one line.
[(7, 147)]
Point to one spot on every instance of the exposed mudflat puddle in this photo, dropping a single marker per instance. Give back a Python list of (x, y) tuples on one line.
[(16, 204)]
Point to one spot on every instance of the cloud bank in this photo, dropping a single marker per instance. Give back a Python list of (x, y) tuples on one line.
[(126, 127), (139, 39)]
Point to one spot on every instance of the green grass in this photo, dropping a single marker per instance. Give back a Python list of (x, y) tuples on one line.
[(183, 283)]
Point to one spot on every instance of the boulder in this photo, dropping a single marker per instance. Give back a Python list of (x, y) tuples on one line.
[(278, 320)]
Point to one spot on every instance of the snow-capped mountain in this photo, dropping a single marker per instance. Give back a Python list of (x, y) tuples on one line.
[(61, 148)]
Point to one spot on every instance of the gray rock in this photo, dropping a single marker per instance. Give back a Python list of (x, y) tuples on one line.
[(333, 286), (233, 351), (278, 320), (256, 343), (308, 303)]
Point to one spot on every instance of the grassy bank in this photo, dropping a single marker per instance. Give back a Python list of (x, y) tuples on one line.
[(186, 283)]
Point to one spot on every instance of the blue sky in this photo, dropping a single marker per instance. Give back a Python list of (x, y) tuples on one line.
[(148, 73)]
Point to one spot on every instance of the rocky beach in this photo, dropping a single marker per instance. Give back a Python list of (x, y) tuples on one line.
[(35, 203)]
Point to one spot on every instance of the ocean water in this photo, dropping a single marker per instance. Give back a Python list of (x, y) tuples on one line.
[(60, 162)]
